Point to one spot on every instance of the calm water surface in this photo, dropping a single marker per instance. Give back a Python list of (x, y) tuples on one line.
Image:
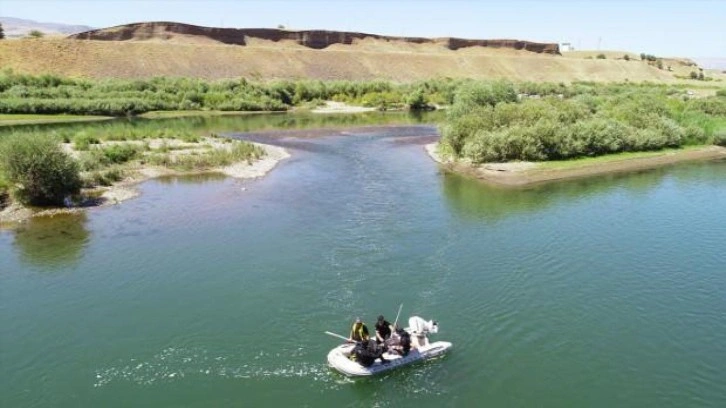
[(216, 292)]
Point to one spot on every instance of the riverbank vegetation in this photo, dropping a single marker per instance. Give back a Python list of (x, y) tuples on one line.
[(485, 121), (49, 94), (12, 119), (497, 122), (41, 172), (49, 168)]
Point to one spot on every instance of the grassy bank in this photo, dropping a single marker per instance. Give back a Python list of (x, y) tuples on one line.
[(46, 168), (615, 157), (192, 113), (522, 174), (11, 119)]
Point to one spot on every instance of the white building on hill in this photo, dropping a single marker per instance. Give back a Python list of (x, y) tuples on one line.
[(565, 47)]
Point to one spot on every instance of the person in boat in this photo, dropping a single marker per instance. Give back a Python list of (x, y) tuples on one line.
[(403, 342), (383, 330), (367, 352), (359, 332)]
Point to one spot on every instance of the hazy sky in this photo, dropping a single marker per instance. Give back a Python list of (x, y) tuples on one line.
[(695, 28)]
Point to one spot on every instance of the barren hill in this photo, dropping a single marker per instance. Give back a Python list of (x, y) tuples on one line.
[(153, 49)]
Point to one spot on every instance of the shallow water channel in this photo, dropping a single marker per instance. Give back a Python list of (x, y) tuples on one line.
[(208, 291)]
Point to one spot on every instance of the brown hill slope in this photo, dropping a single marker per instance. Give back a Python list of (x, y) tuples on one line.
[(152, 50)]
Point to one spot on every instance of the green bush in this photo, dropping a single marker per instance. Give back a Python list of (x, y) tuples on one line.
[(416, 100), (712, 106), (82, 141), (92, 160), (242, 151), (483, 93), (120, 153), (36, 34), (601, 56), (41, 173), (4, 187), (694, 135), (103, 178), (719, 137)]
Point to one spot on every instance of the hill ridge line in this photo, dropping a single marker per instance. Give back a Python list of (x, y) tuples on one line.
[(315, 39)]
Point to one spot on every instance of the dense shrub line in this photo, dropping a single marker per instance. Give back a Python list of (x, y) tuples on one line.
[(51, 94), (488, 124)]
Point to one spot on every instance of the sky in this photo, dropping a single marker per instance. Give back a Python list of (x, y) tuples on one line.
[(695, 28)]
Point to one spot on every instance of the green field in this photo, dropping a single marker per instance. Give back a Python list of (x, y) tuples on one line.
[(9, 119)]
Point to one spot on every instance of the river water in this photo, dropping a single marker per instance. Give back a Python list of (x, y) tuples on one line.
[(208, 291)]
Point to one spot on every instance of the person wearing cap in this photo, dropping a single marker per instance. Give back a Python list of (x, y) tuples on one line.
[(383, 330), (359, 331)]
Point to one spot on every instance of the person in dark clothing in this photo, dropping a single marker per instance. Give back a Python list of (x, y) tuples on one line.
[(404, 342), (366, 353), (383, 330)]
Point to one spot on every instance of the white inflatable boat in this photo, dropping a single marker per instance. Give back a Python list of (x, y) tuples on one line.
[(421, 349)]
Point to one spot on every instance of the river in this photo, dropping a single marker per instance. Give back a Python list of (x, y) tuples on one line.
[(209, 291)]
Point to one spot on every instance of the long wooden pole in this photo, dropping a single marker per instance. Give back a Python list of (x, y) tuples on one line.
[(336, 335), (397, 316)]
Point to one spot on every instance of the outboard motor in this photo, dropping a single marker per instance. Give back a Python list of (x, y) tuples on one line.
[(418, 325)]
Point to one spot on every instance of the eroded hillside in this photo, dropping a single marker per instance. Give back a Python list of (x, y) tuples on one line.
[(153, 49)]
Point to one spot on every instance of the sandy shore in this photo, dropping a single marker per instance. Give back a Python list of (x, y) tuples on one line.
[(126, 189), (516, 174), (340, 107)]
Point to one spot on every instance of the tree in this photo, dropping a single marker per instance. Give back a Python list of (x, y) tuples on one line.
[(642, 56), (2, 32), (416, 100), (694, 75), (41, 173), (36, 34), (626, 57)]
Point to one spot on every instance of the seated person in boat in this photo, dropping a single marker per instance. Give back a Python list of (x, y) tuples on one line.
[(365, 353), (383, 330), (359, 331), (400, 342)]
